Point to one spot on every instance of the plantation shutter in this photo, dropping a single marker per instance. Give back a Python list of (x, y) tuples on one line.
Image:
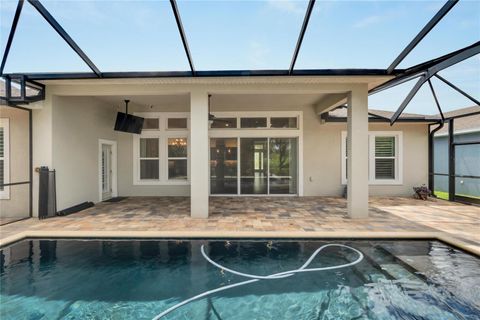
[(385, 158)]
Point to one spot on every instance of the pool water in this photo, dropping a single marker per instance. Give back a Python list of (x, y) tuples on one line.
[(127, 279)]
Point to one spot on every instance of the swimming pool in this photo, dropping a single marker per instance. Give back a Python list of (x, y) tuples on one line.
[(140, 279)]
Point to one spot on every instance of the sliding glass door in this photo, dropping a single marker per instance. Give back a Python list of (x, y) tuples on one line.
[(266, 166), (253, 165), (283, 161), (223, 166)]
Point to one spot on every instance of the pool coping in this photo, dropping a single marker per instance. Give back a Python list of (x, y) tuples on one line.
[(56, 234)]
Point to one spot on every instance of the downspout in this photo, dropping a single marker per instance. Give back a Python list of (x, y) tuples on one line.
[(431, 153)]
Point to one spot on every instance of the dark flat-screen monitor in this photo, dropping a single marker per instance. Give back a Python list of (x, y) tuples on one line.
[(128, 123)]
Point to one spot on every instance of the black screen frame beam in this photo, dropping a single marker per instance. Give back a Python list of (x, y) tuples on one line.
[(65, 36), (11, 35), (423, 33), (181, 30), (308, 13)]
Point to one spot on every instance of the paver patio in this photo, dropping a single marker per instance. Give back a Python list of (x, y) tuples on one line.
[(303, 216)]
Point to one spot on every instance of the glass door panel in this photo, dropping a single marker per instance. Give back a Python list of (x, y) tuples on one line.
[(283, 166), (253, 165), (223, 166)]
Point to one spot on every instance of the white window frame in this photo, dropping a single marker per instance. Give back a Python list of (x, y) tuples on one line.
[(177, 116), (140, 158), (162, 134), (152, 117), (177, 158), (260, 114), (398, 135), (266, 132), (5, 124)]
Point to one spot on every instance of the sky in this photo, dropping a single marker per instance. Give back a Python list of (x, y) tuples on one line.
[(231, 35)]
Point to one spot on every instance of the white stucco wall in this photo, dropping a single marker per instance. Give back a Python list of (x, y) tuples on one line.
[(78, 124), (67, 127), (322, 158), (42, 140), (322, 153), (17, 205)]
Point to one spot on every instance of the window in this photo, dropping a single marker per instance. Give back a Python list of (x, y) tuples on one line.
[(283, 122), (149, 159), (4, 158), (224, 123), (385, 165), (253, 122), (177, 158), (272, 120), (161, 154), (151, 124), (177, 123), (385, 158)]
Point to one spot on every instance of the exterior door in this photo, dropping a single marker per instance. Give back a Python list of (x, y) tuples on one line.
[(106, 174), (253, 166)]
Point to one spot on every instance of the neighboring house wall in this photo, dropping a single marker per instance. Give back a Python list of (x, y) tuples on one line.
[(78, 124), (466, 162), (16, 204)]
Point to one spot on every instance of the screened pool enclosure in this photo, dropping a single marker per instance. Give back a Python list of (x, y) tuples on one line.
[(429, 56)]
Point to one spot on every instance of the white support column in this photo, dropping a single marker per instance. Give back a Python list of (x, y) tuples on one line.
[(357, 150), (199, 154)]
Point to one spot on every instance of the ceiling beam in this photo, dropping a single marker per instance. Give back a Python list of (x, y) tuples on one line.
[(426, 29), (59, 29), (16, 17), (311, 3), (330, 102), (182, 35)]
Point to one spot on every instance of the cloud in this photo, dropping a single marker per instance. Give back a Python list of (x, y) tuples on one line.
[(382, 17), (290, 6), (90, 11), (368, 21)]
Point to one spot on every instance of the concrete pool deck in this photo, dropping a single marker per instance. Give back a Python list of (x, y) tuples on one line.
[(261, 217)]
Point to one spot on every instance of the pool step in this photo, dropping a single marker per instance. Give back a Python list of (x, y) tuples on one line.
[(399, 269), (387, 266), (371, 271)]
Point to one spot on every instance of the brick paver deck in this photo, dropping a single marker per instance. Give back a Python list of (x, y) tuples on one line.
[(299, 215)]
